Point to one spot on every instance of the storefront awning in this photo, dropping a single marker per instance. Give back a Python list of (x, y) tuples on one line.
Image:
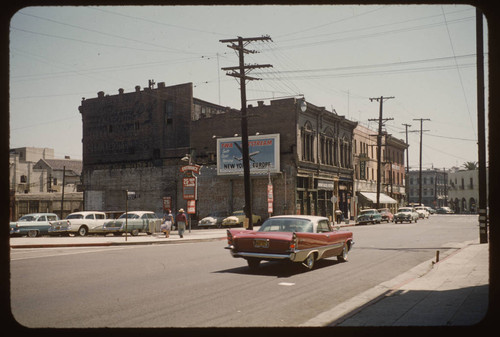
[(384, 198)]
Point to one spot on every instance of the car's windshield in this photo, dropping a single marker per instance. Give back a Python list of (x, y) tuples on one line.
[(27, 218), (75, 216), (369, 211), (404, 210), (287, 225)]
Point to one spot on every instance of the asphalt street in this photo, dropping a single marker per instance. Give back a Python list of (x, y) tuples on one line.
[(201, 285)]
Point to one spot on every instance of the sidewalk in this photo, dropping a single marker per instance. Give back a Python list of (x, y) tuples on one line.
[(452, 292), (196, 235)]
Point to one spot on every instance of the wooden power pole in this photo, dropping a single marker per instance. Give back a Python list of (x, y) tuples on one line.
[(379, 141), (240, 71)]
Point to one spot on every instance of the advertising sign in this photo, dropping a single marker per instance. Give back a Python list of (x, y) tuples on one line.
[(191, 206), (270, 198), (167, 203), (189, 188), (263, 152)]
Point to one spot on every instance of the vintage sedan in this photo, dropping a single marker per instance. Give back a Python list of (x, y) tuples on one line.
[(369, 215), (406, 214), (444, 210), (237, 218), (33, 225), (386, 215), (298, 238), (134, 222), (211, 221), (422, 212)]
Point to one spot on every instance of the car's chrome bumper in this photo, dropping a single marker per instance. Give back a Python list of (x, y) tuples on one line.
[(295, 256)]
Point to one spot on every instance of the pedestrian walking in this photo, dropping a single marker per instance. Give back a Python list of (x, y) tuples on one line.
[(181, 221), (166, 226)]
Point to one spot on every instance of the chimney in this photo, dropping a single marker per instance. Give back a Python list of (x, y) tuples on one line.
[(100, 94), (120, 91), (260, 103), (137, 88), (67, 157)]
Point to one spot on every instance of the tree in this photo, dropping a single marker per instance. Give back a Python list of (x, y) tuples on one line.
[(471, 165)]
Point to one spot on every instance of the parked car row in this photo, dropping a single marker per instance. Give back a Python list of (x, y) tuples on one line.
[(87, 222), (408, 213), (236, 219)]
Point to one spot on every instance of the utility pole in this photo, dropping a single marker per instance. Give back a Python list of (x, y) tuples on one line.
[(420, 165), (407, 192), (62, 192), (379, 140), (240, 72), (483, 215)]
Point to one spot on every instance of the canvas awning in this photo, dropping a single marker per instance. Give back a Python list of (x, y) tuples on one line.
[(384, 198)]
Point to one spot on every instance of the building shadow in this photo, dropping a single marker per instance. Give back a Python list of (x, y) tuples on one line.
[(455, 307)]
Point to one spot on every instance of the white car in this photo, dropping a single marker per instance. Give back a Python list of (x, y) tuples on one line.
[(211, 221), (422, 212), (80, 223)]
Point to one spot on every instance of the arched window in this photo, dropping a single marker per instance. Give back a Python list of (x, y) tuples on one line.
[(307, 140)]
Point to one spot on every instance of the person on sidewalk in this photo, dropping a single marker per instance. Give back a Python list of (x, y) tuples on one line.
[(181, 221), (167, 223)]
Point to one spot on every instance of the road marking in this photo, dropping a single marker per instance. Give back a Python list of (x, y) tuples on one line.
[(286, 284)]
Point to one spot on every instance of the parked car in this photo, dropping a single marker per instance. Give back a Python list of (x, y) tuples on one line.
[(212, 221), (79, 223), (386, 214), (237, 218), (298, 238), (422, 212), (134, 222), (406, 214), (369, 215), (32, 225), (444, 210), (430, 210)]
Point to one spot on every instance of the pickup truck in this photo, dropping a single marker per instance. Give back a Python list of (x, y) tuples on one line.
[(79, 223)]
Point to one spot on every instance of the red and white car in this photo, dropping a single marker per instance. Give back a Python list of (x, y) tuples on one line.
[(298, 238)]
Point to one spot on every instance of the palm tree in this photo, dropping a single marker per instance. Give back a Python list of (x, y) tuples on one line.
[(471, 165)]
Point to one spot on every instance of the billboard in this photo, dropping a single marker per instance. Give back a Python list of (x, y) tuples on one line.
[(263, 152)]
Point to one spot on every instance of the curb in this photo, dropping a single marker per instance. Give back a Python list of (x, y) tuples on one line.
[(108, 244)]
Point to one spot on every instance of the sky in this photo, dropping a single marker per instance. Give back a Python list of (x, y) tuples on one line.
[(336, 56)]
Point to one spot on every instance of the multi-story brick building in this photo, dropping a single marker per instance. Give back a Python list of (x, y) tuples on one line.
[(392, 189), (315, 158), (136, 141)]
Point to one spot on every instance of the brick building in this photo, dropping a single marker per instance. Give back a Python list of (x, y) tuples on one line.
[(136, 141), (315, 159)]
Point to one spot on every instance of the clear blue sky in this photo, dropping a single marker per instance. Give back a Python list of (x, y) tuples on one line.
[(336, 56)]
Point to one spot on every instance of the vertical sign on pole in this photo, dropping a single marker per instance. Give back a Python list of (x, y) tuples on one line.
[(270, 199)]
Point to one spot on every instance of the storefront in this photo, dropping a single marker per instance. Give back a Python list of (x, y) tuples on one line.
[(369, 200)]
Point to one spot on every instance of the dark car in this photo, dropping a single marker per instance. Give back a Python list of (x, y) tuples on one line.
[(444, 210)]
